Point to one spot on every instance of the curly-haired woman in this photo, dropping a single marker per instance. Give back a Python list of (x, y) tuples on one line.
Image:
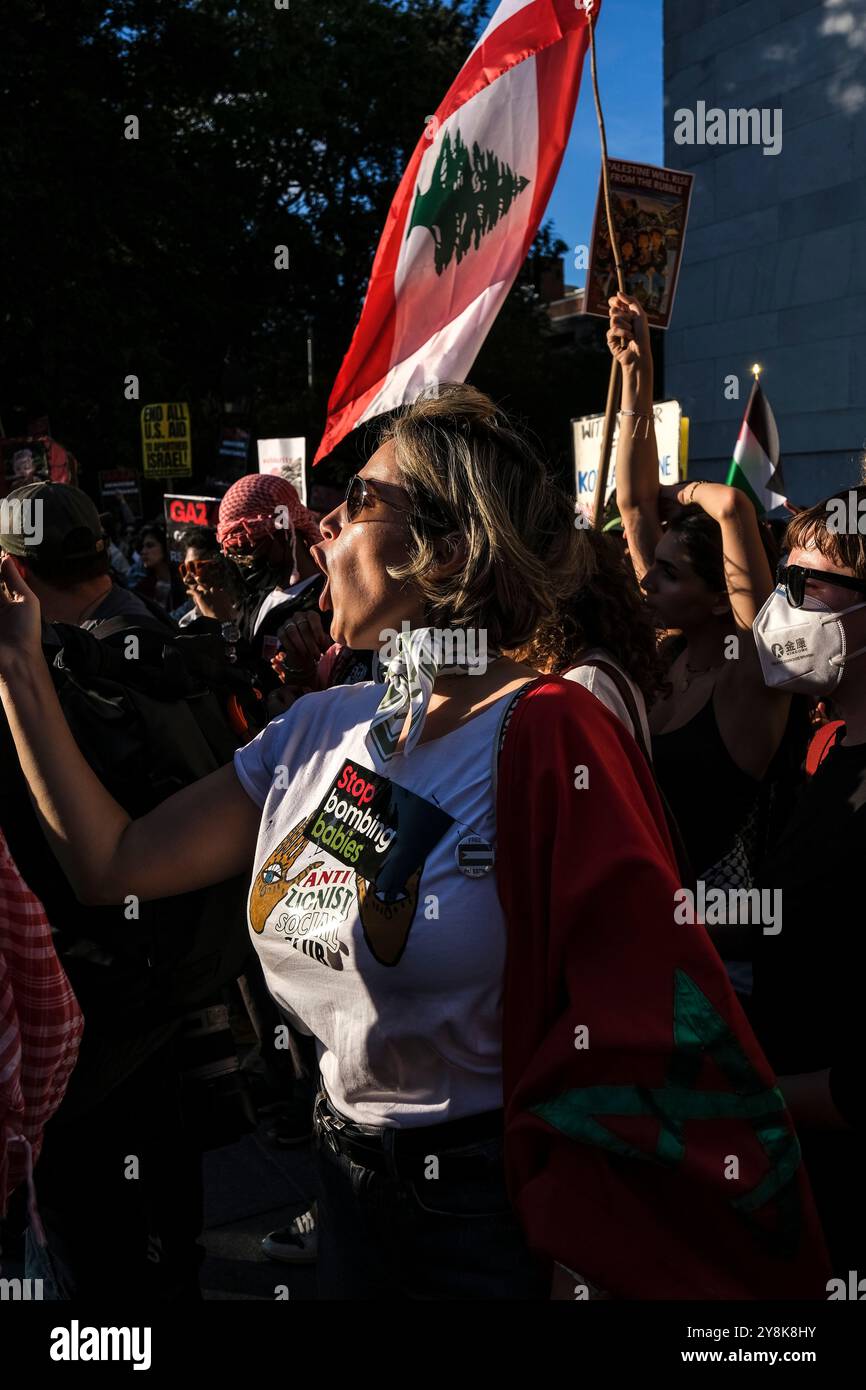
[(603, 638)]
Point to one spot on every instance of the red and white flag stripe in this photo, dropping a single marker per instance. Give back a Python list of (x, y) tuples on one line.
[(436, 287)]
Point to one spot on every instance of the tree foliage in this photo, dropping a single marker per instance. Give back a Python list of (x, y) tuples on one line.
[(257, 127)]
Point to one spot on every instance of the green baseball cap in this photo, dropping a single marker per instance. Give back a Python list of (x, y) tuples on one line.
[(50, 521)]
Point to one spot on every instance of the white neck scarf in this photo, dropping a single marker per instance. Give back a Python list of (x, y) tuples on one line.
[(409, 678)]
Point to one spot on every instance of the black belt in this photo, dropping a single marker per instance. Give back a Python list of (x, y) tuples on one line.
[(405, 1153)]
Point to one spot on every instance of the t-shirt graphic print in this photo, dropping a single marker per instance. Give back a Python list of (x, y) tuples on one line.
[(378, 932), (371, 838), (311, 904)]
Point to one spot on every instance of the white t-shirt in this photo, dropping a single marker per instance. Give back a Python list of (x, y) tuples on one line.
[(599, 684), (401, 985)]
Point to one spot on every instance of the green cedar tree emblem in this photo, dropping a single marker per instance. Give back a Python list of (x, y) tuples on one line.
[(468, 195), (698, 1031)]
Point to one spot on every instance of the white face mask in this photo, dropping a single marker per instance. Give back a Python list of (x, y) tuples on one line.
[(802, 649)]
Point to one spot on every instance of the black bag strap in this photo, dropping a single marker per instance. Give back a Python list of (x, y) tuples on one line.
[(125, 622)]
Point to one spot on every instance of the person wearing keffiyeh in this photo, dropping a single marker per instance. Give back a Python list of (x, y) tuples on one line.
[(267, 531)]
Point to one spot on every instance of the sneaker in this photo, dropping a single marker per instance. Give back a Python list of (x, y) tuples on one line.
[(297, 1244)]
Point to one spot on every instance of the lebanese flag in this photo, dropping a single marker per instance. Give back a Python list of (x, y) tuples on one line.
[(756, 467), (465, 213)]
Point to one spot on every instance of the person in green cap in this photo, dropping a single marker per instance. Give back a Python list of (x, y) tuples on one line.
[(54, 534)]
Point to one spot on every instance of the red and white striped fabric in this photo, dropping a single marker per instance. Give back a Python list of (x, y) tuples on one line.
[(465, 213), (40, 1028)]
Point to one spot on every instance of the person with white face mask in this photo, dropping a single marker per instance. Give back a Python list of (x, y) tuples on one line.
[(807, 649), (808, 978)]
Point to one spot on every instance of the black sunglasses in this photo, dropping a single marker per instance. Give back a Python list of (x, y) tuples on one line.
[(794, 578)]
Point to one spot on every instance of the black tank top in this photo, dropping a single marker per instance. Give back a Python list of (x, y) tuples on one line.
[(709, 795)]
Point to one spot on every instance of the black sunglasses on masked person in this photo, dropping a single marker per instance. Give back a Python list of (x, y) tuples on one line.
[(794, 578)]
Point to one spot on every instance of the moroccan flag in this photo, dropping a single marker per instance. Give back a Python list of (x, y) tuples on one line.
[(756, 467), (465, 213), (648, 1147)]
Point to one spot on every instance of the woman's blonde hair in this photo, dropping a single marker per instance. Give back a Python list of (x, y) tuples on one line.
[(473, 477)]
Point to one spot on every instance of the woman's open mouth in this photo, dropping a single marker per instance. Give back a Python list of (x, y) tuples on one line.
[(319, 559)]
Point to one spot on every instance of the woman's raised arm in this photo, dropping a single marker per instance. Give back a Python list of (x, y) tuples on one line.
[(748, 575), (201, 835), (637, 461)]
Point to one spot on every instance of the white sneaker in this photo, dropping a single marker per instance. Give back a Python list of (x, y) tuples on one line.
[(297, 1244)]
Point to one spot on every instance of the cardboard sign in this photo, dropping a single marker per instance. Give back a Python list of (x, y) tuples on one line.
[(183, 512), (288, 457), (166, 441), (650, 207), (586, 436)]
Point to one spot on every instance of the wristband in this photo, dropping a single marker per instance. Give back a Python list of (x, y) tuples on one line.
[(637, 415), (697, 483)]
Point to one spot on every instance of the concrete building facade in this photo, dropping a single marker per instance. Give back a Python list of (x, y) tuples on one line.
[(774, 269)]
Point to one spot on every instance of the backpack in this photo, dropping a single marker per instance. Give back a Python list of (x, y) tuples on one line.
[(148, 727), (193, 662)]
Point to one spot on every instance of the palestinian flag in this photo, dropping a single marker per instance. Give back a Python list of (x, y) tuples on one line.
[(756, 467), (465, 213)]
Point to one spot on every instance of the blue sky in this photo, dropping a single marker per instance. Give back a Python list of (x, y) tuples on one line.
[(629, 46)]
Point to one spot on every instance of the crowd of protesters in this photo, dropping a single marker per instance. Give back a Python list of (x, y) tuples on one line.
[(434, 899)]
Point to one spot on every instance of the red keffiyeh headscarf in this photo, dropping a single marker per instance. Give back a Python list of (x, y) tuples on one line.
[(250, 512), (40, 1031)]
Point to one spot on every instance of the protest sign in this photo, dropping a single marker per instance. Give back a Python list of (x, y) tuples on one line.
[(25, 461), (650, 208), (671, 439), (234, 448), (166, 441), (183, 512), (121, 482), (118, 482), (287, 457), (35, 459)]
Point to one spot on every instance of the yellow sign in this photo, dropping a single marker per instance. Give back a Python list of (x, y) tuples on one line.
[(166, 440)]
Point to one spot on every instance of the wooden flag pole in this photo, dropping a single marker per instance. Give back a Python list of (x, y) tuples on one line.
[(614, 383)]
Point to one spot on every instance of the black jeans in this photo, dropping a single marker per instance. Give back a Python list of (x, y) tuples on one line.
[(382, 1236)]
